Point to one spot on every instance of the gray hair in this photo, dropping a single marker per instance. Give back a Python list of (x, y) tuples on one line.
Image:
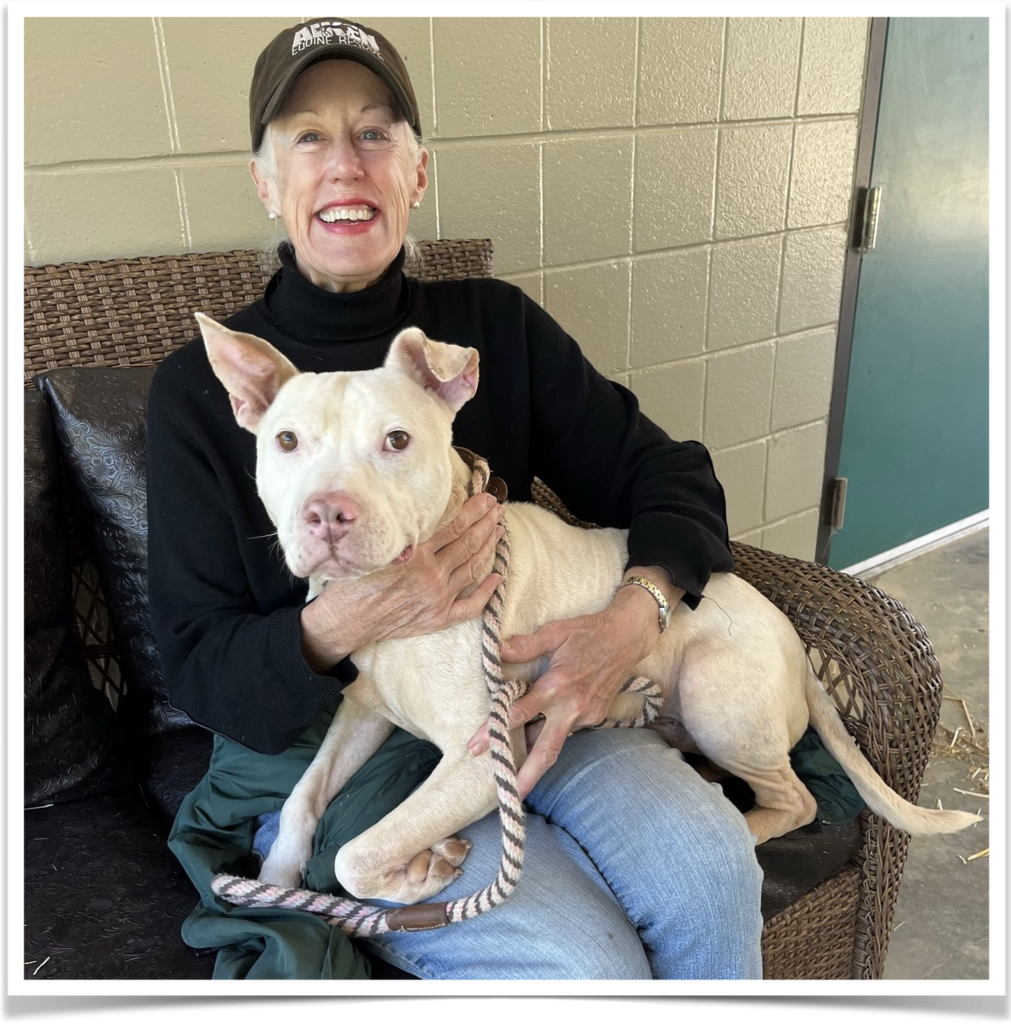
[(266, 165)]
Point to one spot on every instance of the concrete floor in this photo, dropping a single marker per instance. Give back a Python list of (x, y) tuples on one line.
[(941, 924)]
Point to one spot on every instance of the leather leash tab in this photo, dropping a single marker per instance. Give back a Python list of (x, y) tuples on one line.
[(496, 486), (419, 917)]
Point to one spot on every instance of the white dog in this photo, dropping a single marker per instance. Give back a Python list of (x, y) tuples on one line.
[(378, 444)]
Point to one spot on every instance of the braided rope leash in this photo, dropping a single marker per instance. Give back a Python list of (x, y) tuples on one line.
[(360, 920), (503, 693)]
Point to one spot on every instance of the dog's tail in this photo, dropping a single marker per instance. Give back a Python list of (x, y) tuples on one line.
[(918, 821)]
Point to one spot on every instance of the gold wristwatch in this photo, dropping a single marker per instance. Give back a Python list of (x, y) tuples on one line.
[(665, 607)]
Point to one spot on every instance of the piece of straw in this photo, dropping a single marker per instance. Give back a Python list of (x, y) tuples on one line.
[(965, 710)]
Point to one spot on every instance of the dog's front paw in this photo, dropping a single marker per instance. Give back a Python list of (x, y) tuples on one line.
[(413, 880), (443, 860), (432, 870), (280, 870)]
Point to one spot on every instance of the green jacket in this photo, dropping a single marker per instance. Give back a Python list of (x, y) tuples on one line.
[(213, 832)]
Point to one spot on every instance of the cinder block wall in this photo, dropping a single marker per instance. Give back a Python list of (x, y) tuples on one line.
[(673, 190)]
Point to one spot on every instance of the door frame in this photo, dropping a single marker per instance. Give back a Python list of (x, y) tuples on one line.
[(851, 279)]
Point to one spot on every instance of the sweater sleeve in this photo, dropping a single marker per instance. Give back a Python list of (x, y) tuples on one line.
[(612, 465), (230, 648)]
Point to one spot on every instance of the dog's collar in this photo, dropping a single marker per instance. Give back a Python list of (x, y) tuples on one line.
[(478, 467)]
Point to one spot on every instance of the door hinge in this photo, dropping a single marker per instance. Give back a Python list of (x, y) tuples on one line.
[(837, 502), (868, 223)]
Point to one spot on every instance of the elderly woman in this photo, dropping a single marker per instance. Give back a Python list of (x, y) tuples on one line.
[(635, 867)]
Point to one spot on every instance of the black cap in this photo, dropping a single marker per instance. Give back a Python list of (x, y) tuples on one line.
[(294, 49)]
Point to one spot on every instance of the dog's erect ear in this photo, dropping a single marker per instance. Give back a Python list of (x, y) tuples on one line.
[(449, 371), (251, 369)]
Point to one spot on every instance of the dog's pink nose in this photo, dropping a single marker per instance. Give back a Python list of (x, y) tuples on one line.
[(329, 515)]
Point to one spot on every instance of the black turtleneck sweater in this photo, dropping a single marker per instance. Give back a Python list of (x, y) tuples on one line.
[(225, 609)]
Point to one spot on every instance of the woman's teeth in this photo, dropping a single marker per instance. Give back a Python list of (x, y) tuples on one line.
[(335, 213)]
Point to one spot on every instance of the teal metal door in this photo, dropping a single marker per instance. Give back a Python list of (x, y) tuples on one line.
[(915, 434)]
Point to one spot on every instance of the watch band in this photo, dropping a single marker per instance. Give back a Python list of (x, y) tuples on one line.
[(665, 608)]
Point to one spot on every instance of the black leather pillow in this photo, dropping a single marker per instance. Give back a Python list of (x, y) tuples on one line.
[(72, 745), (101, 423)]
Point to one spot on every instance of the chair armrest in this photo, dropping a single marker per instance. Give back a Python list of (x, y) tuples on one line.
[(878, 664)]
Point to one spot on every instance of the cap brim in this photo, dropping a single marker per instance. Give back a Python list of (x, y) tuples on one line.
[(337, 52)]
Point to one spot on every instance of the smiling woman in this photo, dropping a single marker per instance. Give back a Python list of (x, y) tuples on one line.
[(343, 174), (336, 135)]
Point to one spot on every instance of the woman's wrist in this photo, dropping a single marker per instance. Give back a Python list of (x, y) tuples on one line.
[(322, 646), (642, 603)]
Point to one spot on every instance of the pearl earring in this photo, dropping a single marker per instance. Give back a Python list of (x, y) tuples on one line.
[(417, 203), (272, 215)]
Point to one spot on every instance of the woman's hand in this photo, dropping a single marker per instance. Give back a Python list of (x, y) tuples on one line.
[(591, 658), (445, 582)]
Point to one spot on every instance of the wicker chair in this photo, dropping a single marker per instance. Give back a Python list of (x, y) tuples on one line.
[(873, 656)]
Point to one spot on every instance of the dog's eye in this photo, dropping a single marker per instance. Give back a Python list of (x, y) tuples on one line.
[(397, 440), (287, 441)]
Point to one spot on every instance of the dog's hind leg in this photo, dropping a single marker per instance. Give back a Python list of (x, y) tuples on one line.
[(355, 734), (782, 801), (744, 709)]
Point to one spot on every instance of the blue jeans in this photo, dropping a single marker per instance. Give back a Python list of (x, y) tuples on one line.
[(635, 868)]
